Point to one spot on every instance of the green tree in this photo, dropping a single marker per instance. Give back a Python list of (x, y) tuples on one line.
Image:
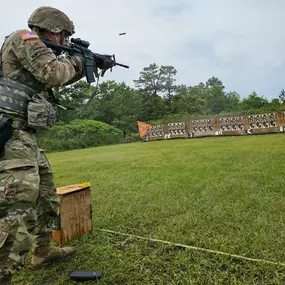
[(168, 74), (126, 105), (211, 82), (74, 96), (214, 95), (253, 101), (102, 108), (150, 79), (275, 102), (282, 96), (116, 104), (193, 100), (156, 83), (232, 101), (215, 99)]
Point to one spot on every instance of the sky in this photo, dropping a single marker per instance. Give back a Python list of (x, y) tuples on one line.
[(242, 42)]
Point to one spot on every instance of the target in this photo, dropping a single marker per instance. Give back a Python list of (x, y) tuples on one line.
[(155, 131), (262, 121), (202, 126), (231, 124), (176, 129)]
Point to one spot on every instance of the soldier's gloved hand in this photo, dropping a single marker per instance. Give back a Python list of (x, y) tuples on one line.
[(106, 64)]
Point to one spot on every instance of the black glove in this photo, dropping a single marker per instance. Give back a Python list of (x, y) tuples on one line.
[(105, 64)]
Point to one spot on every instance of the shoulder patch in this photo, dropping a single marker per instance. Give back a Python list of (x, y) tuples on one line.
[(28, 35)]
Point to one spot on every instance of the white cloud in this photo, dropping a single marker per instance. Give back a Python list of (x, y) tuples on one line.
[(239, 41)]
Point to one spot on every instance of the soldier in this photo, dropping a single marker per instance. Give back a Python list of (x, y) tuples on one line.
[(28, 200)]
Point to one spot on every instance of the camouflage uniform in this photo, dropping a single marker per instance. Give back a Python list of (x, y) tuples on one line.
[(28, 200)]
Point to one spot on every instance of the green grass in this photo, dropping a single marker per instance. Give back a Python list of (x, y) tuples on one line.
[(224, 194)]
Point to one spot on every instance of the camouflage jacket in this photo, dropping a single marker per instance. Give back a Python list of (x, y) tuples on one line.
[(26, 59)]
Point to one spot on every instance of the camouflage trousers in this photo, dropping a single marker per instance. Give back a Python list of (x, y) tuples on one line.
[(28, 201)]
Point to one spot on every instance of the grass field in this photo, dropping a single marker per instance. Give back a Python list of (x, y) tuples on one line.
[(224, 194)]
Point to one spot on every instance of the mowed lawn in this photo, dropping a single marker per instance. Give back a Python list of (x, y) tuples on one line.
[(222, 193)]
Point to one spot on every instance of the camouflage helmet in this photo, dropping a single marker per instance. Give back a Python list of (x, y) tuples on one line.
[(51, 19)]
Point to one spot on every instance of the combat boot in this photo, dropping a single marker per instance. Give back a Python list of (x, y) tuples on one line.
[(43, 257)]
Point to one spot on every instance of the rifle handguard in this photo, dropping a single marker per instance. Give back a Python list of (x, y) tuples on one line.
[(78, 46)]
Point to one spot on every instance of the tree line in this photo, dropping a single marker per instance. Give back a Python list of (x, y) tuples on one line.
[(155, 99)]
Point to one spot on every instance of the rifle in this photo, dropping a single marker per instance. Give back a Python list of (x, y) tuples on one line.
[(80, 46)]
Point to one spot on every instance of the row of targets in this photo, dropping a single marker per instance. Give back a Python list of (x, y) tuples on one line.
[(202, 126), (155, 131), (231, 124), (262, 121), (220, 125), (176, 129)]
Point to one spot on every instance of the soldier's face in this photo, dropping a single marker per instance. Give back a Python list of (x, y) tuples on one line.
[(59, 38), (53, 37)]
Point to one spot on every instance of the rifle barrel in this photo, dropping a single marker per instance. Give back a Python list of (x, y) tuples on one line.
[(122, 65)]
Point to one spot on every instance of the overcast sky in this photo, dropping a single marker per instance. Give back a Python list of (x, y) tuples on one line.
[(242, 42)]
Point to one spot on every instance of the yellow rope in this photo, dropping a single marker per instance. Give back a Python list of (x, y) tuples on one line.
[(193, 247)]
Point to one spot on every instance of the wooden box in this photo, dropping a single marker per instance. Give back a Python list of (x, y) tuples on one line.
[(75, 212)]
